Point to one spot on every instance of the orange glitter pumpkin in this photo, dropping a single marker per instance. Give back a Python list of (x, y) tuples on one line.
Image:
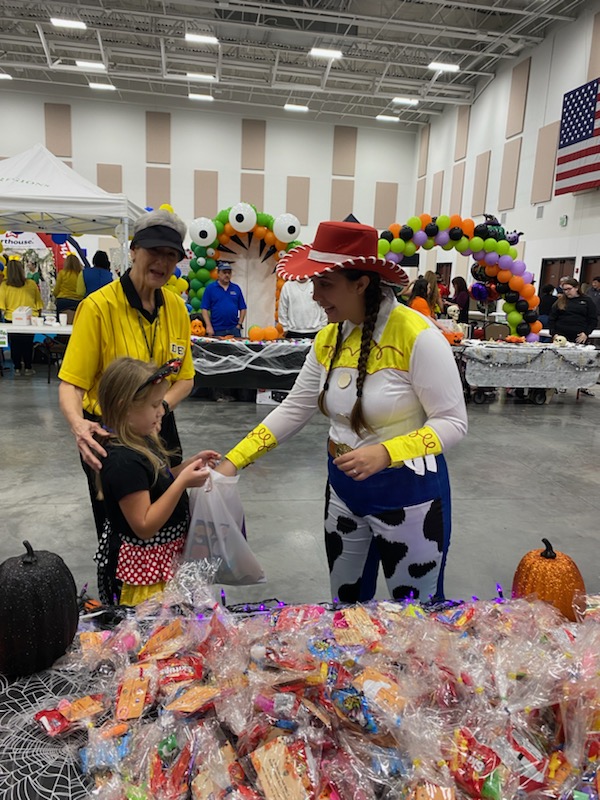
[(551, 576)]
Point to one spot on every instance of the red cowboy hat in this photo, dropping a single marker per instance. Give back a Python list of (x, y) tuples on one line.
[(339, 245)]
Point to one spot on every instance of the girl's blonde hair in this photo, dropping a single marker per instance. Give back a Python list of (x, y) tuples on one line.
[(72, 264), (119, 392), (433, 295)]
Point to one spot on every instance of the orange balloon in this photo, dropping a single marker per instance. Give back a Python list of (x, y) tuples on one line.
[(270, 237), (425, 219), (516, 283), (534, 301), (528, 291), (270, 333), (504, 275), (456, 221), (491, 270), (214, 274), (255, 334), (224, 238), (279, 327), (260, 231), (280, 245), (280, 282), (229, 229), (536, 326), (468, 226), (217, 255), (395, 229)]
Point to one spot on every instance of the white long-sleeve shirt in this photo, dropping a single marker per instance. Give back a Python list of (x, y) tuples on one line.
[(298, 311)]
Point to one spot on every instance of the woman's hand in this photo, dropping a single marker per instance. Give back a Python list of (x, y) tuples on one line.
[(364, 462), (226, 468), (84, 431), (581, 338)]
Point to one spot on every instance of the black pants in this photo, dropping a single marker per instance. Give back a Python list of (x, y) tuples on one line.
[(110, 585), (64, 304), (21, 349), (299, 335)]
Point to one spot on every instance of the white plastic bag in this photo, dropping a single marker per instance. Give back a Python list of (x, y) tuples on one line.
[(217, 522)]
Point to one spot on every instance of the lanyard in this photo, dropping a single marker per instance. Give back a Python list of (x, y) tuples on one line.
[(154, 326)]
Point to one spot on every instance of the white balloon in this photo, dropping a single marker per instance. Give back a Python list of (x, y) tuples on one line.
[(203, 231), (242, 217), (286, 227)]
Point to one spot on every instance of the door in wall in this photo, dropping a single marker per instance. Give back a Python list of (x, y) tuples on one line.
[(444, 269), (590, 269), (553, 269)]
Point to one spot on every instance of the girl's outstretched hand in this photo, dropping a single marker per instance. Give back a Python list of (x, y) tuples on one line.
[(194, 474)]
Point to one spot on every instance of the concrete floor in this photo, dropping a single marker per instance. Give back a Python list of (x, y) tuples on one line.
[(522, 472)]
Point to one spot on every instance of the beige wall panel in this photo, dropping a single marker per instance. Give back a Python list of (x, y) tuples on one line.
[(206, 193), (518, 99), (431, 257), (342, 198), (423, 152), (456, 188), (158, 186), (462, 132), (509, 176), (542, 182), (297, 197), (252, 188), (158, 137), (386, 204), (594, 65), (110, 177), (344, 150), (57, 119), (254, 135), (420, 196), (480, 183), (436, 193)]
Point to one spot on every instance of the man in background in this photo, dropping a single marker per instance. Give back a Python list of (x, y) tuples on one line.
[(223, 305), (300, 316), (594, 293)]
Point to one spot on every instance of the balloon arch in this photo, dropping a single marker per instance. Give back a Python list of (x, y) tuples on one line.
[(498, 270)]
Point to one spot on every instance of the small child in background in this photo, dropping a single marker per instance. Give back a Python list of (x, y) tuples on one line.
[(146, 501)]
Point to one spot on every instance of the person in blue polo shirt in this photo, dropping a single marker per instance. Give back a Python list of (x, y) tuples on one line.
[(223, 304)]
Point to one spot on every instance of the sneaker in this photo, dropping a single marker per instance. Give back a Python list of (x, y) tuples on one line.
[(29, 372), (18, 373), (587, 392)]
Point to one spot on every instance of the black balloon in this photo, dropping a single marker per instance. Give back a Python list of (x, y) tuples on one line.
[(502, 288), (530, 315), (523, 329), (406, 233), (455, 234), (521, 305), (431, 229), (482, 230), (388, 235), (511, 297)]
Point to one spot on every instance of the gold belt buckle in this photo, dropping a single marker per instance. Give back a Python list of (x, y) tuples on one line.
[(341, 449)]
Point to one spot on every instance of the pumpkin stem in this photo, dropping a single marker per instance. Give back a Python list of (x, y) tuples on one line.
[(548, 552), (30, 557)]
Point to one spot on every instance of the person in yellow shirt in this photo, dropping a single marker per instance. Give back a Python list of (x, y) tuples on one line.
[(67, 293), (16, 291)]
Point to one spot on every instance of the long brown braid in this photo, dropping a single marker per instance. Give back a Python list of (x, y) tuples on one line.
[(372, 297)]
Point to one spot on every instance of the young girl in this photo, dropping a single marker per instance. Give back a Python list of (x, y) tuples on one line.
[(146, 501)]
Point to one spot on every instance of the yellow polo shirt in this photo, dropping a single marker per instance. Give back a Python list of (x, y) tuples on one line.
[(12, 297), (111, 323)]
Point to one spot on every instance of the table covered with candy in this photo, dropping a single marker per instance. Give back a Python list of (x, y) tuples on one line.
[(227, 363), (527, 365), (183, 698)]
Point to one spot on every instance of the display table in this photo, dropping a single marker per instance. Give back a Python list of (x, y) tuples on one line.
[(53, 349), (527, 366), (239, 363)]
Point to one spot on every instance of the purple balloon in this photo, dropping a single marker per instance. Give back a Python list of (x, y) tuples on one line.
[(527, 276), (505, 262), (491, 258), (420, 238), (443, 237), (479, 255), (518, 267), (532, 337), (393, 257), (467, 252), (479, 291)]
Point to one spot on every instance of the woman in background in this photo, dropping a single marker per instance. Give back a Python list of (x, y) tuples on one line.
[(17, 291), (574, 315), (67, 294), (547, 300), (95, 277), (460, 298)]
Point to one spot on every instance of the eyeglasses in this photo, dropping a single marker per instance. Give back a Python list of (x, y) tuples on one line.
[(171, 367)]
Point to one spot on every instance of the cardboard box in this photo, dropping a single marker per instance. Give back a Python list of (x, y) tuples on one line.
[(270, 397), (21, 316)]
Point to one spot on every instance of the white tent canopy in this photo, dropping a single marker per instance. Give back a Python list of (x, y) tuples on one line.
[(38, 192)]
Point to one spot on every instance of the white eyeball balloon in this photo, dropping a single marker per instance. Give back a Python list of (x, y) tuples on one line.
[(286, 227), (203, 231), (242, 217)]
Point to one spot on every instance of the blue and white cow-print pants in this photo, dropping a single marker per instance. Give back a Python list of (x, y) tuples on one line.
[(401, 517)]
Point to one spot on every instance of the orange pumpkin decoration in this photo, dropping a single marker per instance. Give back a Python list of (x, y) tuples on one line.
[(551, 576)]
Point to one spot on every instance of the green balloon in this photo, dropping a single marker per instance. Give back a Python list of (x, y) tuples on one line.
[(513, 253), (476, 244), (429, 244), (414, 223), (210, 264), (194, 248), (448, 246), (443, 222), (223, 216), (200, 292), (462, 244), (410, 248), (490, 245), (508, 307), (195, 284), (514, 318), (503, 247), (398, 246), (191, 294), (195, 303), (203, 276), (219, 226), (193, 265), (383, 247)]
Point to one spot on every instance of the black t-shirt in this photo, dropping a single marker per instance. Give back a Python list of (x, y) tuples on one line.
[(546, 303), (579, 315), (125, 471)]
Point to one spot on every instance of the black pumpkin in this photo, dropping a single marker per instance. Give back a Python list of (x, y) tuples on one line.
[(38, 611)]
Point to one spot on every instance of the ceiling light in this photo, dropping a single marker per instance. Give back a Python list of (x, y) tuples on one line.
[(91, 65), (439, 66), (406, 101), (294, 107), (322, 52), (68, 23), (201, 38), (387, 118), (108, 87), (201, 76), (207, 97), (4, 76)]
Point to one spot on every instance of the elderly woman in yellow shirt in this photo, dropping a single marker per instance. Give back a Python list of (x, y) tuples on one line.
[(17, 291), (67, 293)]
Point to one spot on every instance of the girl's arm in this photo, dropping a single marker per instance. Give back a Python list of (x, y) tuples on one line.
[(146, 518)]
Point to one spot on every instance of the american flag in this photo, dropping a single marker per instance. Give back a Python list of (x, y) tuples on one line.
[(578, 159)]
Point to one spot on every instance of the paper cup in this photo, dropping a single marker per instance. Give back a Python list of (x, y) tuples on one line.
[(62, 318)]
